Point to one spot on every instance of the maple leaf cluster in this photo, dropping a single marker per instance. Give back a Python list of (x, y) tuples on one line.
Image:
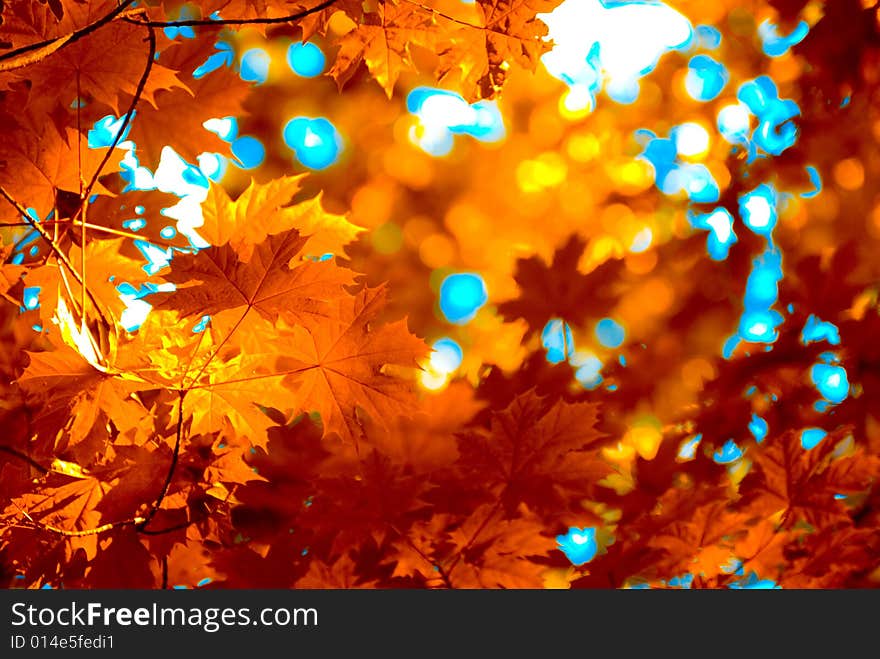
[(264, 425)]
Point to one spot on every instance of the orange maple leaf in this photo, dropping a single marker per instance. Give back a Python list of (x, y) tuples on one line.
[(71, 395), (35, 160), (179, 113), (267, 208), (561, 290), (348, 365), (509, 549), (383, 41), (802, 484), (104, 67), (534, 450), (508, 32), (216, 279)]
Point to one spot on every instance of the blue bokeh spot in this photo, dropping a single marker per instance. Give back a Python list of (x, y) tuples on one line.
[(578, 545), (461, 296), (306, 59), (610, 333), (810, 437), (255, 65), (706, 78), (315, 142), (558, 341), (249, 152), (758, 427), (728, 453)]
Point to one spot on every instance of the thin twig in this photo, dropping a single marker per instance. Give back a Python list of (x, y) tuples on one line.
[(93, 227), (82, 255), (437, 12), (216, 350), (40, 526), (142, 83), (134, 521), (21, 456), (443, 574), (203, 22), (43, 233), (35, 52), (167, 529), (60, 255), (142, 526)]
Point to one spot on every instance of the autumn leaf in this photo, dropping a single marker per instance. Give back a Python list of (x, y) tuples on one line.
[(508, 546), (383, 41), (341, 574), (26, 22), (230, 371), (426, 545), (215, 94), (348, 365), (124, 561), (318, 22), (10, 274), (35, 160), (534, 450), (264, 209), (702, 543), (216, 279), (561, 290), (252, 414), (803, 484), (508, 32), (832, 559), (111, 81), (109, 270), (67, 505), (137, 213), (425, 441), (72, 396)]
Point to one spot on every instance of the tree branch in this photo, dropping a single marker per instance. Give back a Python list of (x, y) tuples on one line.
[(201, 22), (43, 233), (142, 525), (92, 227), (167, 529), (33, 53), (21, 456), (142, 83), (447, 17), (39, 526), (60, 255), (134, 521)]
